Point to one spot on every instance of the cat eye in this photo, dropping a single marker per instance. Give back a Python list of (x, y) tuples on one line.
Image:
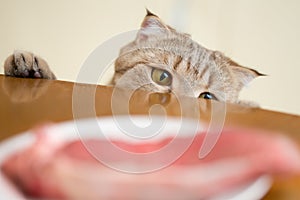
[(207, 95), (161, 77)]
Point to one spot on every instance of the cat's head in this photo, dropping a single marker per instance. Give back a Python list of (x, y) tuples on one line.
[(161, 59)]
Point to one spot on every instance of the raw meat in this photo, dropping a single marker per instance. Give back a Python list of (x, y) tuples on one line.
[(53, 169)]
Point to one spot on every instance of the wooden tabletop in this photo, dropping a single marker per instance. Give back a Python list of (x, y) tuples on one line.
[(25, 103)]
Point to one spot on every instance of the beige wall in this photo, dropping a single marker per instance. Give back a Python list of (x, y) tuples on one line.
[(263, 34)]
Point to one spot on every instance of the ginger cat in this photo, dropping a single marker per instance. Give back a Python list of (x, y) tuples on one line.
[(27, 65), (162, 60)]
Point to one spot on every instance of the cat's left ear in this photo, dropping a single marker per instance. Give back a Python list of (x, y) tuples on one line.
[(151, 26), (244, 75)]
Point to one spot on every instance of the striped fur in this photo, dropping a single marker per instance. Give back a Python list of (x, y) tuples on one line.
[(194, 69)]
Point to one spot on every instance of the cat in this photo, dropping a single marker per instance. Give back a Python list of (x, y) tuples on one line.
[(27, 65), (161, 60)]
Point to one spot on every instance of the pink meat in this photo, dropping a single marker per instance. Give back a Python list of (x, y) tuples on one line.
[(57, 170)]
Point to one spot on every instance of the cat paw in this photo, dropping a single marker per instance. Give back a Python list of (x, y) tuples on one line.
[(25, 64)]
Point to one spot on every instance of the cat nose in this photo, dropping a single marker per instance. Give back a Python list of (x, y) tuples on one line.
[(159, 98)]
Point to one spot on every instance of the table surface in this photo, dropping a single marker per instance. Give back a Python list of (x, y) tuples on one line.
[(24, 103)]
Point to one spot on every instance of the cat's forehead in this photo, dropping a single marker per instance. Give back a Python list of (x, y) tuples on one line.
[(179, 45)]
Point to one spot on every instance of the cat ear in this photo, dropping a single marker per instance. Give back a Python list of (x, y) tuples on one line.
[(151, 26), (244, 75)]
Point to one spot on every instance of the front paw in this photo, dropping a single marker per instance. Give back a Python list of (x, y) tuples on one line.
[(27, 65)]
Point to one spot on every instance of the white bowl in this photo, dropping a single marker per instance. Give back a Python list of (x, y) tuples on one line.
[(121, 127)]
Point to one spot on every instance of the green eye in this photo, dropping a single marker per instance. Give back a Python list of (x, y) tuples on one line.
[(207, 95), (161, 77)]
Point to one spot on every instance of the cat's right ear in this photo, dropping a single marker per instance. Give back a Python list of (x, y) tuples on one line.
[(151, 26), (244, 75)]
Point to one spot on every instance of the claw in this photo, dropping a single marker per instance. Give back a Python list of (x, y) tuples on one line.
[(37, 75), (25, 73), (26, 65)]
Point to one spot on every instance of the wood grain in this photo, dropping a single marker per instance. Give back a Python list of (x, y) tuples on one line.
[(25, 103)]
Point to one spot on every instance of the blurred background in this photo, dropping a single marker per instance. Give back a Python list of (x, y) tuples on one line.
[(262, 34)]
